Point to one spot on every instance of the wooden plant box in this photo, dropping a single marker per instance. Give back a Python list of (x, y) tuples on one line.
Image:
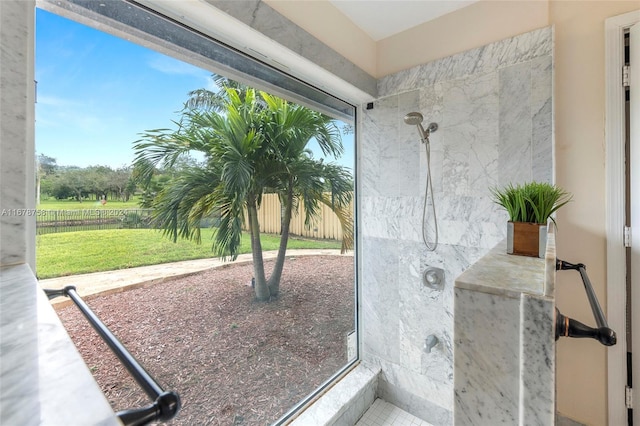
[(526, 239)]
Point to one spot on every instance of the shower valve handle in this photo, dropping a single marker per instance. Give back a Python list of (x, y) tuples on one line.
[(569, 327)]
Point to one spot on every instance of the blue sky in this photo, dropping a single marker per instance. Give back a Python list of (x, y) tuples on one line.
[(96, 93)]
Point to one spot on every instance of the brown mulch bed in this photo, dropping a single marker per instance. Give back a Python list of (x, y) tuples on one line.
[(234, 361)]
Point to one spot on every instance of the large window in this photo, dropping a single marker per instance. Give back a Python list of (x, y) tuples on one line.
[(115, 83)]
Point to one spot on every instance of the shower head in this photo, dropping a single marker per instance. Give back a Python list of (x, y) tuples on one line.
[(415, 119)]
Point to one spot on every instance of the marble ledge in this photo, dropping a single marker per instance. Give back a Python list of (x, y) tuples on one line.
[(509, 275), (44, 379), (349, 398)]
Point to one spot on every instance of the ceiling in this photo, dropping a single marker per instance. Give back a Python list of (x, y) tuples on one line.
[(383, 18)]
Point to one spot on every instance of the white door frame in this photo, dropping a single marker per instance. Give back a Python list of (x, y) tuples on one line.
[(615, 213)]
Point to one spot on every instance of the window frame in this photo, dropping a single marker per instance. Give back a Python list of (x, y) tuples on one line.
[(149, 28)]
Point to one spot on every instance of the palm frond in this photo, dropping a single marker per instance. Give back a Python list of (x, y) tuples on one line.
[(226, 239), (173, 206), (344, 213)]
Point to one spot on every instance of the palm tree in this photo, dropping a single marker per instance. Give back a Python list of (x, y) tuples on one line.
[(252, 145), (300, 179)]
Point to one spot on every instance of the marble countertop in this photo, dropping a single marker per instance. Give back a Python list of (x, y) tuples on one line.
[(44, 379), (511, 275)]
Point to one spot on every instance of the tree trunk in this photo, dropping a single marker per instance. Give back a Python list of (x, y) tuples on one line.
[(274, 280), (38, 189), (260, 282)]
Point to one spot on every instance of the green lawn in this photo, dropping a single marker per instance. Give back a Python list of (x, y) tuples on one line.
[(54, 204), (72, 253)]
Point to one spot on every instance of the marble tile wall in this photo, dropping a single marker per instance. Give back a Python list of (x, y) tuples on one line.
[(500, 358), (537, 353), (17, 176), (345, 402), (493, 106)]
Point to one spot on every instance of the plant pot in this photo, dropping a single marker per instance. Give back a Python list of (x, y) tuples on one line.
[(526, 239)]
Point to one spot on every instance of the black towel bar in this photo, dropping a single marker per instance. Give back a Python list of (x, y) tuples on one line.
[(568, 327), (166, 404)]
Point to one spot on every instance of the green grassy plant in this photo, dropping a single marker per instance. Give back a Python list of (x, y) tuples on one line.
[(532, 202), (72, 253)]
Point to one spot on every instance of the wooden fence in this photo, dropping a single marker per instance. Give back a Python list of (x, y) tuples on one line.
[(325, 227)]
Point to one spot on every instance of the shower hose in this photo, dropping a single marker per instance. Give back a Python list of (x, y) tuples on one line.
[(429, 190)]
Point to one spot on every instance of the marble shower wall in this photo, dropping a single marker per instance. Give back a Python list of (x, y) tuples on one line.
[(493, 106), (17, 114)]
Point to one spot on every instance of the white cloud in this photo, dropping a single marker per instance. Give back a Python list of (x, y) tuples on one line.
[(55, 101), (168, 65), (172, 66), (61, 113)]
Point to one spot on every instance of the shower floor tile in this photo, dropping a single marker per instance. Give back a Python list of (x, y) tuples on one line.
[(382, 413)]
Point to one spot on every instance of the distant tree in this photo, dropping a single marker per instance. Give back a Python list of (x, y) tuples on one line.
[(79, 183), (97, 180), (71, 182), (120, 183), (45, 166), (130, 188)]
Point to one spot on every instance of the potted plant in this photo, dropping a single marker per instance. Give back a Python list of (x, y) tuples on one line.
[(530, 206)]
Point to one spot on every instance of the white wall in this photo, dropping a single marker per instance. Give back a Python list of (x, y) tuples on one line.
[(481, 23), (580, 159)]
